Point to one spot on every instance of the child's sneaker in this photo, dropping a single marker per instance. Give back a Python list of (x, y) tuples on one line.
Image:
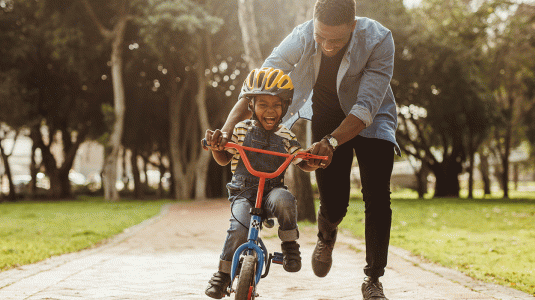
[(217, 286), (291, 256)]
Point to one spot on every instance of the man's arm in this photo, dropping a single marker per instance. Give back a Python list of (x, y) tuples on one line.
[(220, 137), (350, 127)]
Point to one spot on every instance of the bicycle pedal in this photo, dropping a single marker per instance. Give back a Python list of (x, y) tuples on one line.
[(277, 258)]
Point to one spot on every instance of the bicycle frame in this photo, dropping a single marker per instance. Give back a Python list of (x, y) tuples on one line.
[(256, 219)]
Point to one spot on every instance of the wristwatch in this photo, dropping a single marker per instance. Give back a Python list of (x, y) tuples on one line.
[(332, 141)]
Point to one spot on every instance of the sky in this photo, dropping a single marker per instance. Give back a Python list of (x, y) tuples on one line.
[(411, 3)]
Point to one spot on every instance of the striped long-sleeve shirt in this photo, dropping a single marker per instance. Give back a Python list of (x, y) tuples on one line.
[(238, 137)]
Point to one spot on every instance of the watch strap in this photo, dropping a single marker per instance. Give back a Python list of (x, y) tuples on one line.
[(328, 138)]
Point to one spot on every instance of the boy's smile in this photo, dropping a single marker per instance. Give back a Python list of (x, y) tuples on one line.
[(268, 110)]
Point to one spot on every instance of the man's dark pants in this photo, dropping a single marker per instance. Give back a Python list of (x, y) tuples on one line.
[(375, 159)]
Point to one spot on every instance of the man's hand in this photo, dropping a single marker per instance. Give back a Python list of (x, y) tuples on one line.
[(216, 140), (322, 148)]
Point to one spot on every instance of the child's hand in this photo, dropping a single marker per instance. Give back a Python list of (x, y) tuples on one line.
[(216, 140)]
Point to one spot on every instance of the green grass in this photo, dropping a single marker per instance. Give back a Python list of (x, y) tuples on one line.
[(488, 239), (33, 231)]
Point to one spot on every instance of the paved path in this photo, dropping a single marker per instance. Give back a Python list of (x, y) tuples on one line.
[(172, 256)]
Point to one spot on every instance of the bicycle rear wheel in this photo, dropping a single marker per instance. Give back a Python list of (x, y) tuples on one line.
[(245, 289)]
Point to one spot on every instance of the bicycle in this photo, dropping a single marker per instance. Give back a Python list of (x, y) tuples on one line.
[(251, 257)]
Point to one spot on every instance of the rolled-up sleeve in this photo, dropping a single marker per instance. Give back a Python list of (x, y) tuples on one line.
[(375, 80)]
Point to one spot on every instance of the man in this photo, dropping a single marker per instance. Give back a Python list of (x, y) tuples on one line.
[(341, 66)]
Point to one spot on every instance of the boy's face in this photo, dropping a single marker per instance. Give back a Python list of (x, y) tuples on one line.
[(268, 110)]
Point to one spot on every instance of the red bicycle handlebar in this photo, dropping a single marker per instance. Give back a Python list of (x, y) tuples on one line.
[(285, 164), (263, 175)]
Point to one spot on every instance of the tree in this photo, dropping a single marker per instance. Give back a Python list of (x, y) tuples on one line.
[(439, 83), (46, 63), (116, 37), (249, 32), (4, 154), (511, 67)]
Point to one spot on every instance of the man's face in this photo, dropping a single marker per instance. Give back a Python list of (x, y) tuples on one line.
[(268, 110), (332, 38)]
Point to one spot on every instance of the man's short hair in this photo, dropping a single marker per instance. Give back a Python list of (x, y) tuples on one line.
[(335, 12)]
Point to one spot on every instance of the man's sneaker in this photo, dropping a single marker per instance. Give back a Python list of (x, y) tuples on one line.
[(217, 286), (322, 257), (372, 289), (291, 256)]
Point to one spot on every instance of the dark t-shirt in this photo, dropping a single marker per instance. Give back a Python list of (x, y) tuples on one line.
[(325, 103)]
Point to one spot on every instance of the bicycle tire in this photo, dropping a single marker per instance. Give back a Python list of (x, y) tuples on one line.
[(245, 289)]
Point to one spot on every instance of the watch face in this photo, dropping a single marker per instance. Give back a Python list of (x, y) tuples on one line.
[(333, 142)]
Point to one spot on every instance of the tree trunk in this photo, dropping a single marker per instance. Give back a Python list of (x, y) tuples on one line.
[(109, 176), (12, 196), (138, 188), (515, 175), (249, 32), (505, 162), (146, 184), (124, 174), (421, 177), (175, 114), (60, 186), (110, 168), (447, 181), (485, 174), (299, 181), (203, 158), (162, 169), (471, 175), (33, 172)]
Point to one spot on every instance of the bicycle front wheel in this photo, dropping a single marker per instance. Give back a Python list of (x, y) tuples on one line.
[(246, 280)]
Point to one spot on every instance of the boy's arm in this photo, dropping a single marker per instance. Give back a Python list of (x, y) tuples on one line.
[(221, 157), (220, 137)]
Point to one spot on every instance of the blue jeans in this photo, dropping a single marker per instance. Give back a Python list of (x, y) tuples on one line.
[(278, 203)]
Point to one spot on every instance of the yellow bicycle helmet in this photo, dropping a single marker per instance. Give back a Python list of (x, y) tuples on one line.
[(268, 81)]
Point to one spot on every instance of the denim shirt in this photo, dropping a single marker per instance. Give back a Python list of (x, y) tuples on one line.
[(243, 182), (363, 81)]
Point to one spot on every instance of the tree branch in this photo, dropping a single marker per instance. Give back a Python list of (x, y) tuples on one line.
[(108, 34)]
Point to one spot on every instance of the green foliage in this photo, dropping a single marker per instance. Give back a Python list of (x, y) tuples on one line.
[(490, 239), (172, 23), (33, 231), (442, 84)]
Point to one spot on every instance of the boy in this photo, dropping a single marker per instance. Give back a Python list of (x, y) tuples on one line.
[(270, 92)]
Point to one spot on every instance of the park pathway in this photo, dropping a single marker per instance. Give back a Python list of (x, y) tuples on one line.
[(173, 255)]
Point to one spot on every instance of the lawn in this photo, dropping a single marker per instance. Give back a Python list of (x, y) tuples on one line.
[(488, 239), (33, 231)]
